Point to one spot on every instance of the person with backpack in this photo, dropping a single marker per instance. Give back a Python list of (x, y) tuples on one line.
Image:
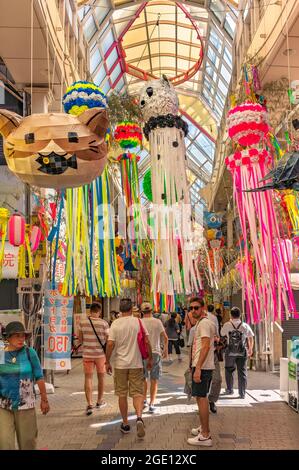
[(21, 368), (240, 347)]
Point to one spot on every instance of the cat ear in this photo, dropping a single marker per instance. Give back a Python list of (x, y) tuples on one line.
[(165, 80), (9, 121), (96, 119)]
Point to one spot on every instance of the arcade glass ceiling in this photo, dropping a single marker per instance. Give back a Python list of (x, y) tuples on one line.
[(190, 42)]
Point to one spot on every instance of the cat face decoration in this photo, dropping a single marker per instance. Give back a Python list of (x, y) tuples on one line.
[(158, 98), (55, 150)]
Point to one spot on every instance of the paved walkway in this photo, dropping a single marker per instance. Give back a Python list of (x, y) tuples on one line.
[(261, 421)]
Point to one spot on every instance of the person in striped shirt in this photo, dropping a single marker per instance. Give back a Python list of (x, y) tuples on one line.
[(93, 335)]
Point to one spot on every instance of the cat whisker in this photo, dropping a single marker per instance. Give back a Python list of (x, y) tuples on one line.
[(94, 150), (92, 142)]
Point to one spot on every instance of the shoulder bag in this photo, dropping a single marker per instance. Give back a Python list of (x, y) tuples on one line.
[(141, 341)]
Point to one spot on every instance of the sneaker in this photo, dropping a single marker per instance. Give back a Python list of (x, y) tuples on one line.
[(213, 408), (125, 428), (180, 358), (140, 428), (200, 441), (195, 431), (101, 405), (242, 397), (228, 392), (152, 409), (145, 404), (88, 410)]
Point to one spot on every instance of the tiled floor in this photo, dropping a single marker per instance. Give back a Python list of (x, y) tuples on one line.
[(261, 421)]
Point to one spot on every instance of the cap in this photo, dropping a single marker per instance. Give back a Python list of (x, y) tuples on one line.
[(15, 327), (146, 307)]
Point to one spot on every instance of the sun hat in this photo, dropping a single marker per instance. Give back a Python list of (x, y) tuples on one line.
[(15, 327)]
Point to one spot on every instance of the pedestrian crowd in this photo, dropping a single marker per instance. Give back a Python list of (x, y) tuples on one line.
[(131, 347)]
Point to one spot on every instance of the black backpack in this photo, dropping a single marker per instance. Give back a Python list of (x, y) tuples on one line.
[(236, 344)]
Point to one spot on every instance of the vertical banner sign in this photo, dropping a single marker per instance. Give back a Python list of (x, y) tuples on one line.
[(58, 319)]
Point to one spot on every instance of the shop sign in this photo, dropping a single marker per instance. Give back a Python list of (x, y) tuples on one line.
[(10, 262), (57, 323)]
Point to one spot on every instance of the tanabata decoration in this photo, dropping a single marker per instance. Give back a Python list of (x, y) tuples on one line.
[(81, 96), (147, 185), (212, 220), (165, 131), (89, 250), (35, 238), (91, 266), (129, 137), (16, 230), (264, 270), (55, 150), (284, 176), (247, 123), (4, 216)]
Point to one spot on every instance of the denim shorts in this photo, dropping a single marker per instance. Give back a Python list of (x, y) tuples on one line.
[(156, 370), (202, 388)]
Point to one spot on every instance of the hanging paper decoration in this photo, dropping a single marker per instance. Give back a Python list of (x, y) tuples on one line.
[(247, 123), (16, 230), (128, 135), (55, 150), (35, 238), (284, 176), (81, 96), (4, 216), (91, 263), (165, 131), (264, 272), (25, 256), (147, 185), (212, 219)]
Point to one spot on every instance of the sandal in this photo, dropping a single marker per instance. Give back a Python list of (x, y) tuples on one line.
[(101, 405), (88, 410)]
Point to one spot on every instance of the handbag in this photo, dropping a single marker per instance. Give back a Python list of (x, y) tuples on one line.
[(181, 342), (141, 341), (103, 345)]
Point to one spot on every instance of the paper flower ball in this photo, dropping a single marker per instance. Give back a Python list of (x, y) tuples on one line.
[(158, 98), (247, 123), (128, 135), (81, 96)]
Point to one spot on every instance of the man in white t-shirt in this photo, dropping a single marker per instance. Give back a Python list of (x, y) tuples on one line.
[(128, 366), (240, 347), (156, 332), (202, 363)]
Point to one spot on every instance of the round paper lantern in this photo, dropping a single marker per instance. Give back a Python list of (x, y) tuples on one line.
[(247, 123), (147, 185), (128, 135), (81, 96), (35, 238), (248, 157), (16, 230), (55, 150)]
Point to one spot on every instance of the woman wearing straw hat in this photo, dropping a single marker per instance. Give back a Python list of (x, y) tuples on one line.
[(17, 399)]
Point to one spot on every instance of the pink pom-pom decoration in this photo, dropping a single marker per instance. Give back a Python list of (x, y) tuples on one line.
[(248, 157), (35, 238), (16, 230), (247, 123)]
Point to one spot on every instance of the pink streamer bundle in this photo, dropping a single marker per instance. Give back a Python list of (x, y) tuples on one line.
[(264, 270)]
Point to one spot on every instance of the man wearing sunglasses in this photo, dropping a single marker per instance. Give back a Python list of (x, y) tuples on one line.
[(202, 364)]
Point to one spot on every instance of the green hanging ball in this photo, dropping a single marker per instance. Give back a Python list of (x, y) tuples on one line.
[(147, 185)]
